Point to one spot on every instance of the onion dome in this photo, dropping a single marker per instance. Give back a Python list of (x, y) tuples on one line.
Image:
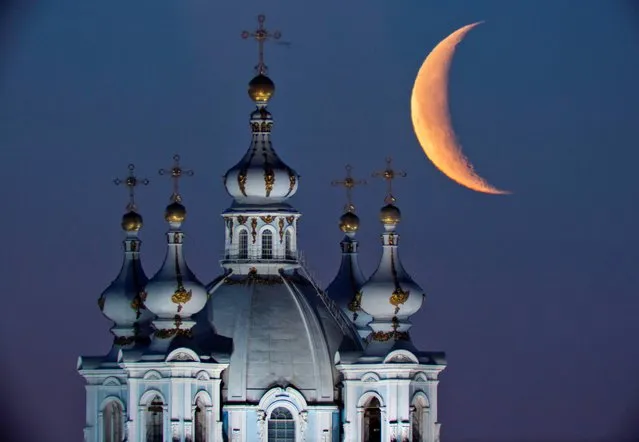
[(174, 294), (123, 301), (390, 295), (261, 177)]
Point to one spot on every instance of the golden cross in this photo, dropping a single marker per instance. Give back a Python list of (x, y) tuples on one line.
[(261, 35), (389, 175), (131, 182), (348, 183), (176, 173)]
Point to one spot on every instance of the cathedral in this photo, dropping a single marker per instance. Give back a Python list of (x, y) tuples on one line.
[(261, 353)]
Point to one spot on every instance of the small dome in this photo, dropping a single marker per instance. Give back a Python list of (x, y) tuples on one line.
[(131, 221), (175, 213), (261, 88), (390, 215), (349, 222)]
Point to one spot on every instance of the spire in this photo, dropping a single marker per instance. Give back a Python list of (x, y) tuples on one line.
[(174, 294), (123, 301), (261, 177), (390, 295), (345, 287)]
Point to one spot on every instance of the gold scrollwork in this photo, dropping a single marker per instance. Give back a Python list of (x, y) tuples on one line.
[(137, 304), (398, 298), (268, 219), (181, 296), (253, 229), (356, 303), (269, 181), (241, 181), (280, 223), (166, 333), (290, 219), (241, 219), (381, 336)]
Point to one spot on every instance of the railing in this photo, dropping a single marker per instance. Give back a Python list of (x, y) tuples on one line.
[(233, 255), (332, 308)]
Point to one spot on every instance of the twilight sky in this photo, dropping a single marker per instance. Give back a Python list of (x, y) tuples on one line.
[(533, 296)]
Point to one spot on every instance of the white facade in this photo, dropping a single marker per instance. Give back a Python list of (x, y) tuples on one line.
[(261, 353)]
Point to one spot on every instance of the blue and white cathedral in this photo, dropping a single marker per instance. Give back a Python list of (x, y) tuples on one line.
[(261, 353)]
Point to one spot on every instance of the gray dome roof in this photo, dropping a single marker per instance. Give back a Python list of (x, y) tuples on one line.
[(283, 334)]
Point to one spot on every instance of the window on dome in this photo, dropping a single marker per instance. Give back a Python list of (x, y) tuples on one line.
[(267, 244), (112, 422), (288, 243), (281, 426), (200, 421), (373, 421), (154, 420), (242, 245)]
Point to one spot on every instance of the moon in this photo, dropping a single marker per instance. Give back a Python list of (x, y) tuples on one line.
[(430, 113)]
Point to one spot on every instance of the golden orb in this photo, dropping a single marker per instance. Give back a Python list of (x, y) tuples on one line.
[(349, 222), (131, 221), (390, 214), (261, 88), (175, 213)]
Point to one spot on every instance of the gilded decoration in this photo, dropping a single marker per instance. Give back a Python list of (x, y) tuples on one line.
[(291, 181), (269, 181), (290, 219), (170, 332), (356, 303), (137, 304), (399, 296), (391, 239), (123, 340), (280, 223), (134, 246), (241, 220), (268, 219), (253, 229), (241, 181), (381, 336), (177, 238), (181, 296), (101, 303)]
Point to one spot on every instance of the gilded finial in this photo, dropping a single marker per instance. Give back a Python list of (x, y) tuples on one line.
[(348, 183), (261, 35), (176, 212), (131, 221), (389, 175)]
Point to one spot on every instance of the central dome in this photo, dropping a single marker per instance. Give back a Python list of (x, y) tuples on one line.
[(282, 334)]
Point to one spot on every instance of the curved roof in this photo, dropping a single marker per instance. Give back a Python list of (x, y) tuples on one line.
[(283, 334)]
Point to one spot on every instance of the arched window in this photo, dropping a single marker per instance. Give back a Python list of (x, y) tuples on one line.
[(267, 244), (281, 426), (288, 245), (373, 421), (418, 418), (112, 422), (242, 252), (200, 421), (155, 420)]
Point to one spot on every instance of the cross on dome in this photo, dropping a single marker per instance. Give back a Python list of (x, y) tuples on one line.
[(261, 35), (349, 182), (131, 182), (176, 173), (389, 174)]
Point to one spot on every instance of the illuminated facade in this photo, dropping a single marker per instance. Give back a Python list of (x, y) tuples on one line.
[(261, 353)]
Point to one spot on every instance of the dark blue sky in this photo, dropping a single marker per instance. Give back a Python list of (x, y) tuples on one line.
[(533, 296)]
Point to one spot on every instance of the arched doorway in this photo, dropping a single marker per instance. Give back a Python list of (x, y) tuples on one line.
[(112, 424), (154, 420), (372, 421), (281, 426), (200, 421)]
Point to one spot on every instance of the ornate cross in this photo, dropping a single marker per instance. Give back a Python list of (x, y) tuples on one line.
[(176, 173), (261, 35), (348, 183), (131, 182), (389, 175)]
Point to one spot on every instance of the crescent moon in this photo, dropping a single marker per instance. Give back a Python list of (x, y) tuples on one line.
[(431, 116)]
